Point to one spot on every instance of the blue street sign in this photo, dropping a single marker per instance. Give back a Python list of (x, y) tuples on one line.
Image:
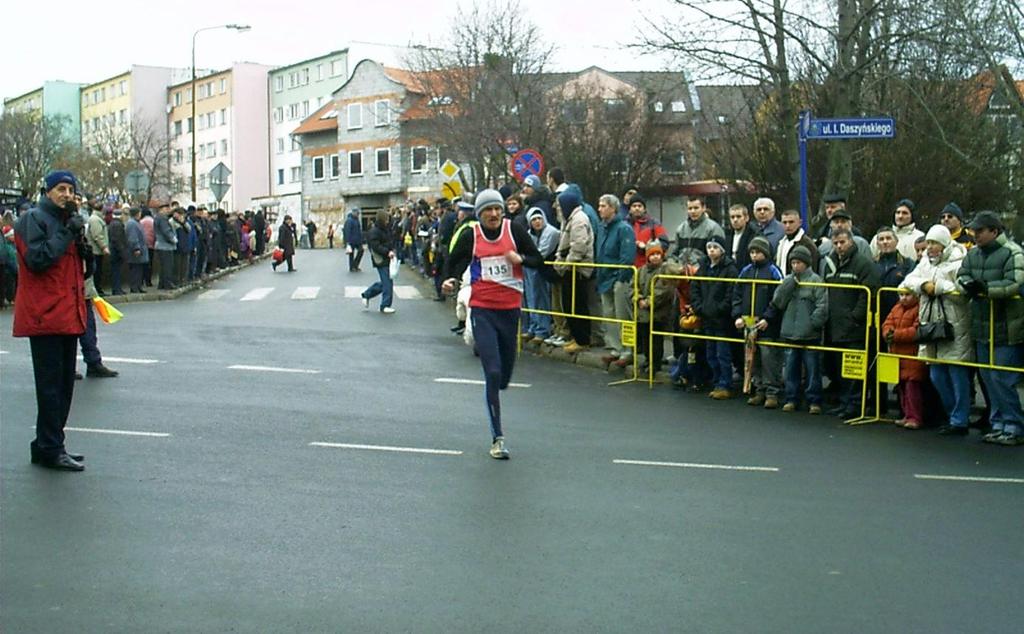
[(875, 128)]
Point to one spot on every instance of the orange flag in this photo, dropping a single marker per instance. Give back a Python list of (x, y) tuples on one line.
[(106, 311)]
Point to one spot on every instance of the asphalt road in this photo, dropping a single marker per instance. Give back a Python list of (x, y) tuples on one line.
[(230, 517)]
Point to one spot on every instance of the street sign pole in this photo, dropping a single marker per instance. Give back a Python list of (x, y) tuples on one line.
[(805, 118), (835, 129)]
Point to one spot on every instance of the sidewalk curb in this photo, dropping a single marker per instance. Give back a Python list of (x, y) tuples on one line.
[(158, 296)]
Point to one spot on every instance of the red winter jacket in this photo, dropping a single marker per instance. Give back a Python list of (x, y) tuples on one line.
[(51, 290), (645, 230), (904, 320)]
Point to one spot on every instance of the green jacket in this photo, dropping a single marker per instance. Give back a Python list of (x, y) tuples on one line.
[(1000, 264)]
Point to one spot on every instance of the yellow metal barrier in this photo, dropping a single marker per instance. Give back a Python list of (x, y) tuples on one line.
[(628, 325), (856, 359), (887, 371)]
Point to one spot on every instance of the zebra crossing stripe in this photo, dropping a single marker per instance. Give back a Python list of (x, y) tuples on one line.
[(306, 292), (213, 294), (257, 294)]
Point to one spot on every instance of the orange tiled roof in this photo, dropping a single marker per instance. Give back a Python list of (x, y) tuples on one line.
[(323, 120)]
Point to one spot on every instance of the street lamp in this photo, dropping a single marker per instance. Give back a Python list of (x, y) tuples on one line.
[(236, 27)]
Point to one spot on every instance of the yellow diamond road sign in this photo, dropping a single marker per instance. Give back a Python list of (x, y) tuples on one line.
[(449, 169), (451, 189)]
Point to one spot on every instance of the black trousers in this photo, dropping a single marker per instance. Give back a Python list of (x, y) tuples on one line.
[(53, 363), (355, 258), (166, 261), (135, 274), (579, 328)]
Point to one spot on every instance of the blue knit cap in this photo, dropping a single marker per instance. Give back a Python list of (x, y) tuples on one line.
[(569, 201), (60, 176)]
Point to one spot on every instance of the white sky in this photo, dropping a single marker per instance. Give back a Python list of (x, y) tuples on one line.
[(87, 41)]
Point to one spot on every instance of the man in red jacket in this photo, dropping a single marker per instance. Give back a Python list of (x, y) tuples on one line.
[(49, 309)]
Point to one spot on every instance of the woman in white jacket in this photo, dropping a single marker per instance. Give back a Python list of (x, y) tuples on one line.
[(934, 280)]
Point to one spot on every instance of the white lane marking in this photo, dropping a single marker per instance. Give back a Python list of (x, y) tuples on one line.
[(119, 432), (257, 294), (4, 352), (306, 292), (476, 382), (953, 478), (407, 292), (696, 465), (401, 292), (263, 368), (128, 360), (437, 452), (213, 293)]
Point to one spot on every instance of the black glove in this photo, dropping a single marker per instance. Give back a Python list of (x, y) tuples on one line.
[(973, 288), (75, 223)]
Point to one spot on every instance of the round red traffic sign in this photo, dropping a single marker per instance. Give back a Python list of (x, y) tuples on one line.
[(525, 162)]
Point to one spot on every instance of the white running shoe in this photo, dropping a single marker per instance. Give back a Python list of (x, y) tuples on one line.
[(387, 310), (366, 303), (498, 451)]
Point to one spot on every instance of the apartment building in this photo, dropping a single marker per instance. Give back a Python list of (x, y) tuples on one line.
[(296, 91), (135, 100), (230, 127), (363, 148), (52, 99)]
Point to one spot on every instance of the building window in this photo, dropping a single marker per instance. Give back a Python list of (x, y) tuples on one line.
[(384, 161), (296, 145), (678, 106), (337, 68), (203, 91), (293, 111), (293, 80), (202, 151), (305, 108), (177, 128), (223, 116), (419, 159), (177, 98), (280, 145), (319, 72), (335, 166), (355, 117), (224, 147), (574, 111), (355, 163), (211, 149), (659, 106), (318, 168), (296, 174), (202, 181), (188, 125), (223, 86), (615, 109), (672, 162), (305, 76), (123, 87), (188, 95), (278, 114), (177, 157), (381, 112), (122, 117), (202, 122), (279, 83), (280, 177)]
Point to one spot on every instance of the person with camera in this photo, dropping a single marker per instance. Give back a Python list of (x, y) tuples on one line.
[(50, 310)]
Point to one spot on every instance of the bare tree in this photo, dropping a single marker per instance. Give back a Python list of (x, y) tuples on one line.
[(32, 146), (484, 94)]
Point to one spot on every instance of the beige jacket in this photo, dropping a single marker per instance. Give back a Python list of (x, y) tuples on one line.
[(576, 243)]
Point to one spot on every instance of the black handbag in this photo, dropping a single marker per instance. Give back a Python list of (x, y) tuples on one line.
[(935, 331)]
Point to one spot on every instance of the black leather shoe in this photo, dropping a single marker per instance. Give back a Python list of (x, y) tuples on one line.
[(78, 376), (101, 371), (953, 430), (63, 462), (77, 457)]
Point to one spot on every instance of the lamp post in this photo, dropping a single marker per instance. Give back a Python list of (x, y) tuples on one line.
[(236, 27)]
